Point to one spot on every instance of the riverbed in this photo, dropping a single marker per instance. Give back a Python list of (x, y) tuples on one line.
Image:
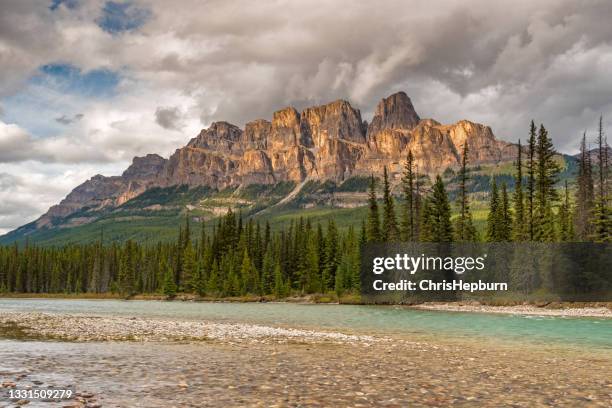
[(163, 354)]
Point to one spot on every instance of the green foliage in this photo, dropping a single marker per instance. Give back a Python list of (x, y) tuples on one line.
[(464, 227), (436, 217), (547, 171), (169, 287), (410, 214), (518, 198), (373, 225), (390, 231)]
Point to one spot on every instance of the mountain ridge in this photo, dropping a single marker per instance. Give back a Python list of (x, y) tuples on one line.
[(324, 142)]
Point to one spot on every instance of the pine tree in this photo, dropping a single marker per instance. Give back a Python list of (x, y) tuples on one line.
[(504, 218), (518, 224), (440, 213), (374, 234), (267, 271), (188, 270), (248, 276), (409, 214), (280, 289), (545, 194), (169, 287), (426, 230), (390, 231), (464, 227), (531, 187), (313, 276), (127, 273), (331, 256), (584, 196), (214, 285), (492, 234), (602, 217), (566, 230)]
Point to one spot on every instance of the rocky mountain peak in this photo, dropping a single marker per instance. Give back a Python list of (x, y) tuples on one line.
[(145, 167), (394, 112), (218, 136)]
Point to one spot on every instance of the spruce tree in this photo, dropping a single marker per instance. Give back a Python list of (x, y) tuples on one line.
[(602, 217), (440, 213), (492, 233), (390, 231), (374, 234), (409, 214), (531, 176), (464, 227), (584, 194), (504, 217), (169, 287), (267, 271), (331, 256), (188, 270), (279, 287), (547, 171), (518, 224), (566, 230)]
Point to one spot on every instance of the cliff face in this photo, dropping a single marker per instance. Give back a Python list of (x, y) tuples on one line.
[(323, 142)]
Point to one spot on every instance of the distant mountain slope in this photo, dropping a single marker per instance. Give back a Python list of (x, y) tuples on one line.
[(327, 143)]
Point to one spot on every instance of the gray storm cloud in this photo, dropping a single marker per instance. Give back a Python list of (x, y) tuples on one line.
[(500, 63)]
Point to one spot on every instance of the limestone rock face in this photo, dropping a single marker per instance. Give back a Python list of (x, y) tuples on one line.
[(220, 136), (256, 134), (285, 130), (327, 142), (336, 134)]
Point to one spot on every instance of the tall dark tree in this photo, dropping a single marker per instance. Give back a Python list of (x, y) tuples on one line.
[(531, 180), (566, 225), (547, 171), (584, 196), (464, 227), (602, 217), (373, 226), (440, 217), (409, 215), (390, 231), (518, 199), (492, 233), (504, 216)]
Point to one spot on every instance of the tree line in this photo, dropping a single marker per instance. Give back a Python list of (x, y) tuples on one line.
[(535, 212), (239, 258), (245, 258)]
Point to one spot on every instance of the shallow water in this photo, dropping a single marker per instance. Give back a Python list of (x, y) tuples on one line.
[(594, 333)]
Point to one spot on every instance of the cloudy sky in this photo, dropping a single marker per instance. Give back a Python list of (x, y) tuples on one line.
[(86, 85)]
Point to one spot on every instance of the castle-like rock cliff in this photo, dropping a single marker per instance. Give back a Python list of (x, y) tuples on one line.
[(327, 142)]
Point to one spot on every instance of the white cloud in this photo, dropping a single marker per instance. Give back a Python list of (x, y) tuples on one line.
[(499, 63)]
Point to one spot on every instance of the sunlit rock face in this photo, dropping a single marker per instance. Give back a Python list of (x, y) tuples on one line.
[(325, 142)]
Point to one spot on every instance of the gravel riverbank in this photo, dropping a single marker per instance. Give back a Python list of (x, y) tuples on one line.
[(531, 310), (161, 363), (98, 328)]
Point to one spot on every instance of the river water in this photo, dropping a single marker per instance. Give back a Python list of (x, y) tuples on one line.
[(570, 331), (460, 359)]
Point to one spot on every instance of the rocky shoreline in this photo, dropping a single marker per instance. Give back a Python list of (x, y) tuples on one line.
[(83, 328), (133, 361), (527, 309)]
